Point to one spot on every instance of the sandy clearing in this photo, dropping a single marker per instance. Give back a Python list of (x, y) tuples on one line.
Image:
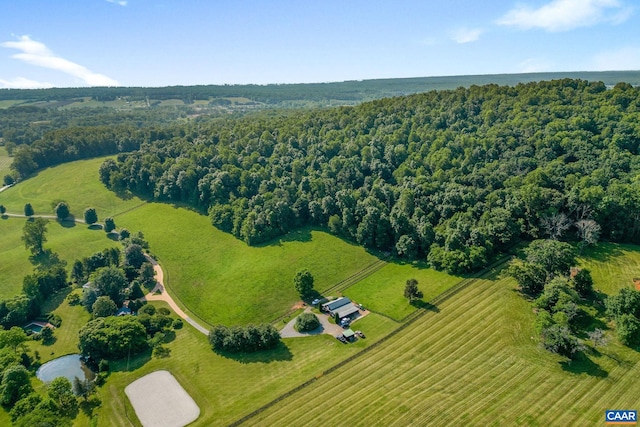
[(160, 401)]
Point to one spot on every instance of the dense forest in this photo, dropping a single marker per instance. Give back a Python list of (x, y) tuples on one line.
[(456, 176)]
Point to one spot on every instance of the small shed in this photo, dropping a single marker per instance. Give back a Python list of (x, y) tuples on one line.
[(349, 334)]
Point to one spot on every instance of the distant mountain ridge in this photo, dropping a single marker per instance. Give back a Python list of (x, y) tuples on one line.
[(347, 92)]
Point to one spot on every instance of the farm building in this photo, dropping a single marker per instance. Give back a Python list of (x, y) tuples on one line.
[(335, 304), (349, 334), (345, 310)]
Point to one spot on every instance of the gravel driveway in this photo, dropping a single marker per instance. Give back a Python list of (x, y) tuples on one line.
[(325, 327)]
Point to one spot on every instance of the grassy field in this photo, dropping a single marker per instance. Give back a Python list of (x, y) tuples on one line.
[(70, 243), (612, 266), (472, 362), (5, 162), (77, 183), (215, 276), (227, 388), (222, 280), (383, 291)]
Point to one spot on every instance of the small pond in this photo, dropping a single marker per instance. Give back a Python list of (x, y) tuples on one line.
[(70, 366)]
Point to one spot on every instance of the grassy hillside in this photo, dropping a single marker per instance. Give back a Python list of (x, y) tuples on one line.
[(472, 362), (70, 243), (77, 183), (222, 280), (217, 277)]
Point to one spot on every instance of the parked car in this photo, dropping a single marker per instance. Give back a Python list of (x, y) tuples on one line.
[(345, 323), (360, 334), (315, 302)]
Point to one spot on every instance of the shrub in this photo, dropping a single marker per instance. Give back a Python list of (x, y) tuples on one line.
[(164, 311), (307, 322), (147, 309), (177, 324), (73, 299), (56, 320)]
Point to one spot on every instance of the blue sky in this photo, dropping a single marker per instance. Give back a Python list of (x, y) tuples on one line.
[(63, 43)]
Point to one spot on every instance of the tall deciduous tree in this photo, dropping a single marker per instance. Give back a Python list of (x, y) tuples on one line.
[(112, 282), (109, 224), (303, 282), (90, 216), (62, 211), (28, 210), (34, 235), (411, 291)]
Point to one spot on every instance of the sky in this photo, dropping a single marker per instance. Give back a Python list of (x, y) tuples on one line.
[(75, 43)]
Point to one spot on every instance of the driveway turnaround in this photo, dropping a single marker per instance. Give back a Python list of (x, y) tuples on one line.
[(325, 327)]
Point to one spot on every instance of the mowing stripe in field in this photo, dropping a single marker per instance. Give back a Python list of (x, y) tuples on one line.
[(469, 364)]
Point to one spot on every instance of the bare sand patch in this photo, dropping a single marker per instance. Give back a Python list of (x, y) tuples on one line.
[(160, 401)]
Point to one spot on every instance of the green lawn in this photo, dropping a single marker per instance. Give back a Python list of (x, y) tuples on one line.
[(222, 280), (77, 183), (472, 362), (383, 291), (612, 266), (66, 336), (70, 243), (225, 388)]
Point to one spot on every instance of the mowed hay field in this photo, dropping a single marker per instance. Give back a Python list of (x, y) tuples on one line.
[(474, 362), (383, 291)]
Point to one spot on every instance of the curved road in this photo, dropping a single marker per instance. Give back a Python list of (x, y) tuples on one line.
[(164, 296)]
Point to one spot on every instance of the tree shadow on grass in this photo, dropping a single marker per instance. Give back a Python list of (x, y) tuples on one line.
[(298, 235), (425, 305), (602, 252), (46, 259), (113, 236), (68, 222), (278, 354), (582, 364), (129, 364), (95, 227)]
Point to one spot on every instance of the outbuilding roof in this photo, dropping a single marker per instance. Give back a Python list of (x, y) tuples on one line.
[(346, 310), (348, 333), (332, 305)]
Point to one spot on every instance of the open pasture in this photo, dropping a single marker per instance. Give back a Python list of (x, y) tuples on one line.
[(69, 242), (222, 280), (77, 183), (383, 291), (474, 361), (612, 266)]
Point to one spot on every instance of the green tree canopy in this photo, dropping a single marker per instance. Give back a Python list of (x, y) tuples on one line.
[(303, 282), (112, 338), (112, 282), (411, 291), (34, 235), (103, 307), (90, 216)]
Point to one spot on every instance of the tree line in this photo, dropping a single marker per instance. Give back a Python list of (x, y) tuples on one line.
[(454, 176)]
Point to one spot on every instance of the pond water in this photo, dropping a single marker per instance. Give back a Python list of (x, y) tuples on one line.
[(70, 366)]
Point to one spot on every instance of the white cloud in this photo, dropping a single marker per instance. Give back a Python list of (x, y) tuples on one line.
[(38, 54), (625, 58), (564, 15), (120, 2), (534, 65), (466, 35), (23, 83)]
